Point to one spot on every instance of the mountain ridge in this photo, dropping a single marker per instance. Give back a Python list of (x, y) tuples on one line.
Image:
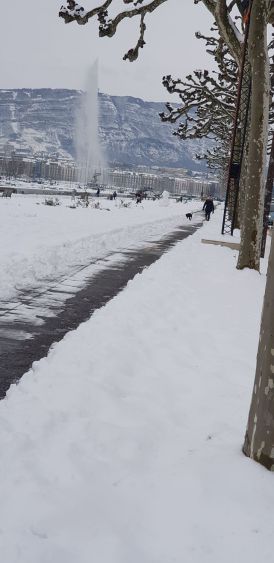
[(42, 121)]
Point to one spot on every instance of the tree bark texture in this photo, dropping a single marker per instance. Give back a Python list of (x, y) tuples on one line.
[(251, 232), (220, 12), (259, 438)]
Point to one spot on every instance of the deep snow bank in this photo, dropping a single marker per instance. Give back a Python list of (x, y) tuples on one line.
[(40, 243)]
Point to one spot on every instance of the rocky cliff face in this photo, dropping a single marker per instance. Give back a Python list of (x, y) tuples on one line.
[(131, 133)]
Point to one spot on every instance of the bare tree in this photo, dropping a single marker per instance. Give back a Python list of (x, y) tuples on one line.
[(250, 249), (259, 438), (207, 103)]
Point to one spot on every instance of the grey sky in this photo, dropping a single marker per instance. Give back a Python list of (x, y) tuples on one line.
[(38, 50)]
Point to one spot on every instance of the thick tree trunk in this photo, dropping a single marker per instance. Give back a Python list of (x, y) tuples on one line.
[(251, 231), (259, 439)]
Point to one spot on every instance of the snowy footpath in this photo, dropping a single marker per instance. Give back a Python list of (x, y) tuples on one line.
[(124, 444)]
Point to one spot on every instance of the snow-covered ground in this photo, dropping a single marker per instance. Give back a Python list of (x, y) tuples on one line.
[(124, 444), (41, 243)]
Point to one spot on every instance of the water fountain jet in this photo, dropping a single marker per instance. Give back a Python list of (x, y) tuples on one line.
[(89, 155)]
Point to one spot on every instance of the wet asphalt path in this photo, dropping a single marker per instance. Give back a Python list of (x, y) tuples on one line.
[(25, 339)]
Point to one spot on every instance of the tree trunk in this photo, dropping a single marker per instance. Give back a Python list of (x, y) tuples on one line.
[(259, 438), (251, 232)]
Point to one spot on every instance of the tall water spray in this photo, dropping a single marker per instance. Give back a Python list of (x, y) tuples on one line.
[(90, 159)]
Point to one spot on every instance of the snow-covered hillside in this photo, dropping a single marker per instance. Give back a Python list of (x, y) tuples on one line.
[(130, 129)]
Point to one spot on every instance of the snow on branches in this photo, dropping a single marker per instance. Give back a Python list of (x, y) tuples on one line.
[(221, 11), (72, 11), (208, 99), (108, 25)]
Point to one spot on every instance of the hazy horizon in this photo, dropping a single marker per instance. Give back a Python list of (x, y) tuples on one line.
[(43, 52), (83, 90)]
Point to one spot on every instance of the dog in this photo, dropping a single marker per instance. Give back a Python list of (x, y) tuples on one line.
[(189, 216)]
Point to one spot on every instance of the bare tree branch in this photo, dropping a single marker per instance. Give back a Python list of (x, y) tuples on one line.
[(208, 100), (133, 53), (220, 10), (108, 26)]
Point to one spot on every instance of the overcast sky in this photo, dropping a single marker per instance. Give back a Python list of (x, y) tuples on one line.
[(38, 50)]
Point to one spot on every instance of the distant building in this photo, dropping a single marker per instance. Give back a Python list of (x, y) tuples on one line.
[(45, 167)]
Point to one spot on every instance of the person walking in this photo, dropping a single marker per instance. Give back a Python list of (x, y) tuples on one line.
[(138, 197), (208, 207)]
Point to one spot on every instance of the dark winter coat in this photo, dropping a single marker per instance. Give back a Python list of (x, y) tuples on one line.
[(208, 206)]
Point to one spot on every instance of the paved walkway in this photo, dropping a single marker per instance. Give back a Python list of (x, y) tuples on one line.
[(29, 326)]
